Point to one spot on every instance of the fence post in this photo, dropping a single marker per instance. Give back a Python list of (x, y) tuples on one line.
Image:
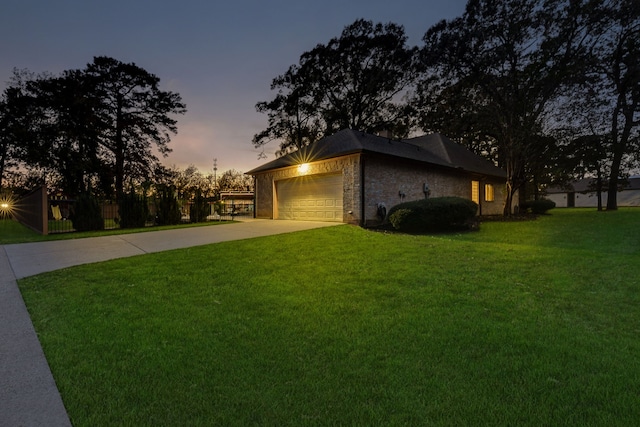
[(44, 209), (32, 210)]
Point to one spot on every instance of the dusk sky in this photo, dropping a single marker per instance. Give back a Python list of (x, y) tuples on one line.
[(219, 56)]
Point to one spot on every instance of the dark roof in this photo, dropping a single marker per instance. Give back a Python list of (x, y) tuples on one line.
[(434, 149)]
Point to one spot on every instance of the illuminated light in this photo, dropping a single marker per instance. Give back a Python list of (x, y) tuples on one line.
[(303, 168), (6, 207)]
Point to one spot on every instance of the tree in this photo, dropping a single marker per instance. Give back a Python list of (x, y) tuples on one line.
[(97, 124), (355, 81), (135, 115), (589, 155), (7, 146), (603, 113), (232, 180), (617, 64), (510, 59), (65, 139), (17, 119), (293, 117)]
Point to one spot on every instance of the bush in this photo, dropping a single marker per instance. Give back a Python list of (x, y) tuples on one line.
[(199, 208), (217, 207), (402, 218), (167, 207), (437, 214), (87, 214), (538, 207), (133, 210)]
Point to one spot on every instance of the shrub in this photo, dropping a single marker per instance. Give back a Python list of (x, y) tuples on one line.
[(437, 214), (167, 207), (538, 207), (199, 208), (133, 210), (217, 207), (401, 218), (87, 214)]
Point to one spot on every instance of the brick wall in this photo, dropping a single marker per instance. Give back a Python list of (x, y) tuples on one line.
[(495, 207), (386, 179), (349, 166)]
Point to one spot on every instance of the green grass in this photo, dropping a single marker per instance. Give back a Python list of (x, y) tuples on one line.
[(13, 232), (522, 323)]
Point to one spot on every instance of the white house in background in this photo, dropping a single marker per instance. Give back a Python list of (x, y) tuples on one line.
[(582, 194)]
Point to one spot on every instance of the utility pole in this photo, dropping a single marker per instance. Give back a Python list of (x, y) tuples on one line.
[(215, 178)]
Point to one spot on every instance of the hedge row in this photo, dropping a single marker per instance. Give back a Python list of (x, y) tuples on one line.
[(538, 207), (436, 214)]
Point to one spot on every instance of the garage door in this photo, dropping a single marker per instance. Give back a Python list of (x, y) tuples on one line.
[(310, 198)]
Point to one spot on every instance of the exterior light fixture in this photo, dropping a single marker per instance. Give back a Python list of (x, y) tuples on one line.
[(6, 207), (303, 168)]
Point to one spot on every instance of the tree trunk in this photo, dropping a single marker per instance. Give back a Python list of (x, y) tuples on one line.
[(119, 152), (619, 146), (599, 189)]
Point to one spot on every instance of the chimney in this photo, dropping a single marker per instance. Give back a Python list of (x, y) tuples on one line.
[(386, 133)]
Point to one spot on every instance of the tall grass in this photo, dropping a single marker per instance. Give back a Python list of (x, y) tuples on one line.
[(524, 323)]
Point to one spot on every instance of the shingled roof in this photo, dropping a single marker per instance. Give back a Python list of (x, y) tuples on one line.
[(432, 149)]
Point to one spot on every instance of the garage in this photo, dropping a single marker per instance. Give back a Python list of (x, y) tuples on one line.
[(310, 198)]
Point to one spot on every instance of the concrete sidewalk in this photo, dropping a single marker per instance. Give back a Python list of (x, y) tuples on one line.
[(28, 393)]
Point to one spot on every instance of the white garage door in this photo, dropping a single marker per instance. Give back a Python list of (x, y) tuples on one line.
[(310, 198)]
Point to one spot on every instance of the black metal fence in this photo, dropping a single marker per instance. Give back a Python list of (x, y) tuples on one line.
[(60, 210)]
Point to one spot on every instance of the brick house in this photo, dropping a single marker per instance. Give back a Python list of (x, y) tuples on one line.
[(353, 177)]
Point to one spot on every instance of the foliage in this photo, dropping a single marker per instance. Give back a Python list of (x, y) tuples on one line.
[(518, 324), (434, 214), (352, 82), (538, 207), (91, 126), (133, 209), (613, 80), (167, 206), (9, 131), (232, 180), (87, 213), (199, 209), (505, 63), (136, 115)]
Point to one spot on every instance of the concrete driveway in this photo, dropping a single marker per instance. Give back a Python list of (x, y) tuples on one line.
[(28, 393)]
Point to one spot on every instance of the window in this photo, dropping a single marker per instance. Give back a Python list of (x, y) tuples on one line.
[(475, 191), (488, 193)]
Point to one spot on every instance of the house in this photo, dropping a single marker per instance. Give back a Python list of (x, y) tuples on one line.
[(355, 177), (582, 193), (237, 202)]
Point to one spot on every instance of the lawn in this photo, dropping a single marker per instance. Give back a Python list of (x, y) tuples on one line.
[(522, 323)]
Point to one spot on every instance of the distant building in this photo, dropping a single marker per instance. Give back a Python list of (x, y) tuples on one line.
[(582, 194), (237, 202)]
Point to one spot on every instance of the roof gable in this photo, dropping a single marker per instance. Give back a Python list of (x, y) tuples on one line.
[(433, 149), (456, 155)]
